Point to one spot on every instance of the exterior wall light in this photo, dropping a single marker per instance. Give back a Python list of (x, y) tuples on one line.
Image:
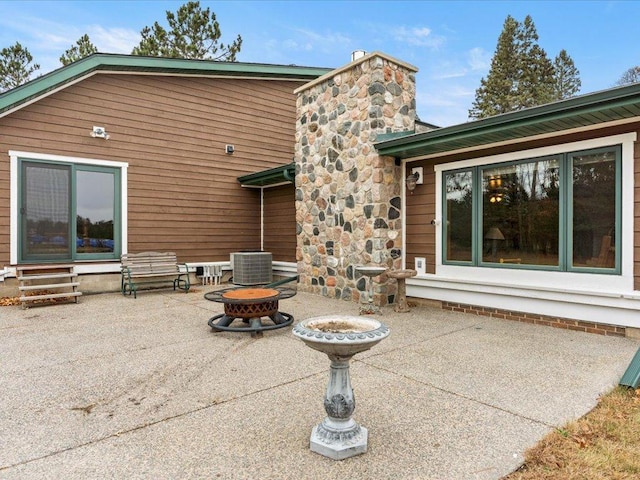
[(412, 181), (100, 132)]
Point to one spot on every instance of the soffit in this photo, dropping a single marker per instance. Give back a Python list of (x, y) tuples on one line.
[(614, 105)]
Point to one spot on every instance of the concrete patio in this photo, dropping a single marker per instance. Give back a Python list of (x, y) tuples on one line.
[(114, 387)]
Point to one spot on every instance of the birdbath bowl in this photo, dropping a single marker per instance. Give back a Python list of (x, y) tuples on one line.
[(370, 271), (340, 337), (401, 275)]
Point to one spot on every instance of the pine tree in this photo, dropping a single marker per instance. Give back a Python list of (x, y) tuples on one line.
[(497, 93), (536, 84), (82, 48), (521, 74), (15, 66), (567, 76), (193, 33)]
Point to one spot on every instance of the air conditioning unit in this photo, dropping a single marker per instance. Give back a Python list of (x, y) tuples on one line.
[(252, 268)]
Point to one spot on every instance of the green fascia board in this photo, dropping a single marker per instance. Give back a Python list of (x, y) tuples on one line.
[(631, 377), (272, 176), (383, 137), (133, 63), (587, 109)]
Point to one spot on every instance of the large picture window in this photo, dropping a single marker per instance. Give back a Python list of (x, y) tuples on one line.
[(68, 211), (560, 212)]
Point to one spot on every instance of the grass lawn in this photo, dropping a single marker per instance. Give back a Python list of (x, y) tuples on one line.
[(604, 444)]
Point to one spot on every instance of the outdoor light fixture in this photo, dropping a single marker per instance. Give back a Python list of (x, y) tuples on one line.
[(100, 132), (412, 181)]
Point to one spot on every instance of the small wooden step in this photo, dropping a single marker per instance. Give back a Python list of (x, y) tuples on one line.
[(38, 277), (53, 266), (47, 276), (24, 288), (49, 296)]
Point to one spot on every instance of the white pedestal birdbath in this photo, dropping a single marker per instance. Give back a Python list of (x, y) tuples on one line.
[(338, 436)]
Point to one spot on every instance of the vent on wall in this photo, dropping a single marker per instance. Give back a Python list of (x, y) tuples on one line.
[(252, 268)]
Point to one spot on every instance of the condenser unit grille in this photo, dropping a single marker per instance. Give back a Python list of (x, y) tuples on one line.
[(252, 268)]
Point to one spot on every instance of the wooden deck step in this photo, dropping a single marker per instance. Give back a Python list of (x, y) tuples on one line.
[(24, 288), (50, 296), (47, 276), (32, 278)]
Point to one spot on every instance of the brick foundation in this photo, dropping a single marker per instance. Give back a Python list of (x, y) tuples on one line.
[(556, 322)]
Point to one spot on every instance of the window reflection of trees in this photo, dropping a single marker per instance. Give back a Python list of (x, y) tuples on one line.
[(459, 199), (594, 209), (527, 214)]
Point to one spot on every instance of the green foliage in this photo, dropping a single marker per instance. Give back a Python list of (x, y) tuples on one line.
[(521, 74), (193, 33), (567, 76), (82, 48), (630, 76), (15, 66)]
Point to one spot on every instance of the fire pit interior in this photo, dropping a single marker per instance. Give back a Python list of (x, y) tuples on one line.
[(250, 305)]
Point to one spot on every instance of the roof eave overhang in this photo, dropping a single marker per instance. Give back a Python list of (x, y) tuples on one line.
[(584, 112), (110, 63)]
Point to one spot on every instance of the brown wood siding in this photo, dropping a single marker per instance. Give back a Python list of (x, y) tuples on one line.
[(420, 234), (280, 223), (421, 209), (183, 192)]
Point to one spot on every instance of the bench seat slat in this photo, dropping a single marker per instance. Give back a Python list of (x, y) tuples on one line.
[(151, 267)]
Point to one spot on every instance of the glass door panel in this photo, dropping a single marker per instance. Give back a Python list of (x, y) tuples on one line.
[(45, 211), (95, 213)]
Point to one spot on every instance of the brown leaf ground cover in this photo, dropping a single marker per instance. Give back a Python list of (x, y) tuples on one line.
[(604, 444)]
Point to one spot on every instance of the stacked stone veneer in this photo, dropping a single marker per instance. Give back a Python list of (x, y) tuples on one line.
[(348, 198)]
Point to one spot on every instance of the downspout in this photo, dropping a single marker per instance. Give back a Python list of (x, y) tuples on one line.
[(262, 219)]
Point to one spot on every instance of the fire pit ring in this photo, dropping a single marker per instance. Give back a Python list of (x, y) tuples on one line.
[(250, 305)]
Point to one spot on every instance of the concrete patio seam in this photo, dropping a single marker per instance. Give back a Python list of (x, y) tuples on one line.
[(459, 395), (159, 421)]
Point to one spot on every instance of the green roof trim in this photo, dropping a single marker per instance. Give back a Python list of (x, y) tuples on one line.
[(583, 111), (272, 176), (383, 137), (102, 62)]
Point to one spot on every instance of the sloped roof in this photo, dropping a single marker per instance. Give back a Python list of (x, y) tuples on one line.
[(112, 63), (621, 105)]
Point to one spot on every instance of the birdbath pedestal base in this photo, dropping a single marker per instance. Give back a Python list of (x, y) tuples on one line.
[(401, 305)]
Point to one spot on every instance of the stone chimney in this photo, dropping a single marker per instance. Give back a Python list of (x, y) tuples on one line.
[(348, 198)]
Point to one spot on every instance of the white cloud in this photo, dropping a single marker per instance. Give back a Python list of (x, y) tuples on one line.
[(112, 40), (479, 59), (444, 104), (418, 37)]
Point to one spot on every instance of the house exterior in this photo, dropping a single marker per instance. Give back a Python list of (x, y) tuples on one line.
[(533, 215), (115, 154)]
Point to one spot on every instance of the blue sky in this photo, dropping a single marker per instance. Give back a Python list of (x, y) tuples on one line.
[(451, 42)]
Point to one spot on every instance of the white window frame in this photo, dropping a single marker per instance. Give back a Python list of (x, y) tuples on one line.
[(486, 275), (14, 220)]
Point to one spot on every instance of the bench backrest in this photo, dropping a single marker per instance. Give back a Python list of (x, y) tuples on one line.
[(150, 262)]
